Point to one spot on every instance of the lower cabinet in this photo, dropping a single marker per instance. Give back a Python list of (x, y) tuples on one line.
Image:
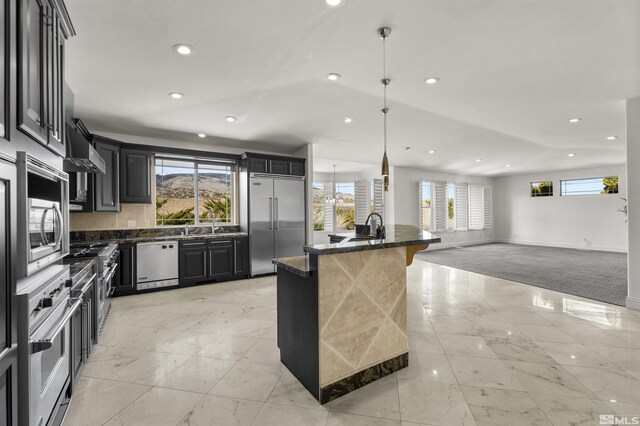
[(193, 262), (126, 272), (220, 259), (8, 389), (77, 331), (213, 260)]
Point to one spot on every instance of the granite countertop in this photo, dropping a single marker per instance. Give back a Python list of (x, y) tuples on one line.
[(397, 236), (298, 265), (149, 239), (78, 267)]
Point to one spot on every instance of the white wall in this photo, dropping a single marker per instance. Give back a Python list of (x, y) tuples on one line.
[(307, 153), (405, 180), (583, 222), (633, 175)]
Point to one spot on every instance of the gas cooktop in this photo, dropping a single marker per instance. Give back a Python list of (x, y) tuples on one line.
[(89, 250)]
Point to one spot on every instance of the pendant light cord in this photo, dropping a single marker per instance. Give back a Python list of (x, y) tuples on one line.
[(384, 84)]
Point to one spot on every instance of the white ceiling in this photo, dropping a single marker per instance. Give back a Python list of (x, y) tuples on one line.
[(512, 74)]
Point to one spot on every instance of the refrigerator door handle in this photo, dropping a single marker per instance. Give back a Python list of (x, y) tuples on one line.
[(270, 213), (275, 209)]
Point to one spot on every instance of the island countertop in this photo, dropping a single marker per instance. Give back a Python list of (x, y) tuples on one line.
[(397, 236)]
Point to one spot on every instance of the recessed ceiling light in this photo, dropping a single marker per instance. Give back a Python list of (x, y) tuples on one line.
[(183, 49), (230, 118), (333, 3), (433, 151), (333, 76), (575, 120), (432, 80), (612, 138), (176, 95), (348, 119), (202, 135), (507, 165), (612, 400), (571, 154), (478, 160)]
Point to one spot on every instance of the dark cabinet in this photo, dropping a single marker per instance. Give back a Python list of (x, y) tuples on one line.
[(8, 346), (77, 331), (41, 74), (107, 188), (241, 257), (126, 272), (258, 165), (220, 259), (275, 165), (135, 176), (193, 262), (296, 168)]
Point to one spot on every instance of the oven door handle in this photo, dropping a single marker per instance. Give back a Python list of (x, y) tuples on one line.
[(60, 224), (111, 273), (44, 344)]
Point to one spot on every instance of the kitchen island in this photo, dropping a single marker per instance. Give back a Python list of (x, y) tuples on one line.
[(342, 310)]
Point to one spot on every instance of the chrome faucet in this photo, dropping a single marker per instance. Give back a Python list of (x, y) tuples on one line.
[(214, 228), (380, 232)]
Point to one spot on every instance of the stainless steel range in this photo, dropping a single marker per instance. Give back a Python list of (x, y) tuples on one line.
[(106, 255), (44, 333)]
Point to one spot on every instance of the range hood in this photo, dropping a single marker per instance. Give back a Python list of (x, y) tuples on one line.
[(81, 155)]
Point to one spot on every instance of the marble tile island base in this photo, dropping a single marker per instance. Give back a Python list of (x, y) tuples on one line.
[(342, 315)]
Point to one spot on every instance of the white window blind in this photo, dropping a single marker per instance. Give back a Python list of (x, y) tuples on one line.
[(377, 196), (362, 201), (439, 208), (487, 198), (461, 207), (329, 211), (476, 207)]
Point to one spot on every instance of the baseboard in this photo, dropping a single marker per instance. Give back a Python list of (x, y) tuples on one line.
[(440, 246), (633, 303), (561, 245)]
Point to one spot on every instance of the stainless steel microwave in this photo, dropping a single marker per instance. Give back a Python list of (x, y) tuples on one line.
[(43, 214)]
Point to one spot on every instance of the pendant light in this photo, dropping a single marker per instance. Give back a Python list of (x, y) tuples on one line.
[(383, 33)]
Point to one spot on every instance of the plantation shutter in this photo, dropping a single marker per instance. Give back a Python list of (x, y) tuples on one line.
[(476, 208), (439, 206), (487, 198), (328, 207), (461, 206), (420, 198), (377, 196), (362, 202)]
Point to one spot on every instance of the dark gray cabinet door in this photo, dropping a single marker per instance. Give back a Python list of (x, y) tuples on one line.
[(32, 70), (8, 346), (296, 168), (135, 176), (193, 264), (241, 257), (55, 83), (279, 167), (4, 60), (126, 272), (107, 188), (220, 259), (258, 165)]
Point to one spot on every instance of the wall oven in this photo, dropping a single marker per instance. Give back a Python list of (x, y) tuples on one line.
[(44, 335), (43, 214)]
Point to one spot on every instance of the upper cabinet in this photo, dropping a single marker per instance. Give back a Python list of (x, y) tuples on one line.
[(135, 176), (275, 165), (42, 30), (106, 187)]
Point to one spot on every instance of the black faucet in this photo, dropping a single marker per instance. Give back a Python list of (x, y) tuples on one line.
[(380, 232)]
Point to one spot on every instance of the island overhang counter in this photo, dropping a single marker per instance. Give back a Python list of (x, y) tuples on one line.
[(342, 310)]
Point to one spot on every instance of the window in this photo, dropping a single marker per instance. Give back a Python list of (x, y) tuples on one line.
[(593, 186), (451, 206), (345, 206), (195, 192), (318, 206), (542, 189), (425, 205)]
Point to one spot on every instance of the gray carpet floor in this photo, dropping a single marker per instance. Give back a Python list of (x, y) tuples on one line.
[(595, 275)]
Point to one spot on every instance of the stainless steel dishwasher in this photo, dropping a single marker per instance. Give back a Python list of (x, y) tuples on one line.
[(157, 265)]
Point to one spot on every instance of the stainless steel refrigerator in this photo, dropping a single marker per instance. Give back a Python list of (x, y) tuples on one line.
[(276, 219)]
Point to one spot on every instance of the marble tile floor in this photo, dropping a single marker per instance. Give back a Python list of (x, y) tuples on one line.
[(483, 351)]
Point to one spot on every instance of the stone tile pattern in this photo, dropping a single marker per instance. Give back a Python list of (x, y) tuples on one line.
[(207, 355), (362, 311)]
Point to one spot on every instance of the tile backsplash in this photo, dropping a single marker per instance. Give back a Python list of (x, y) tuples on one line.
[(131, 216)]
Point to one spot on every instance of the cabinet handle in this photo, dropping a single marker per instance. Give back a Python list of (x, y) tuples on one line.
[(270, 213), (235, 257)]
